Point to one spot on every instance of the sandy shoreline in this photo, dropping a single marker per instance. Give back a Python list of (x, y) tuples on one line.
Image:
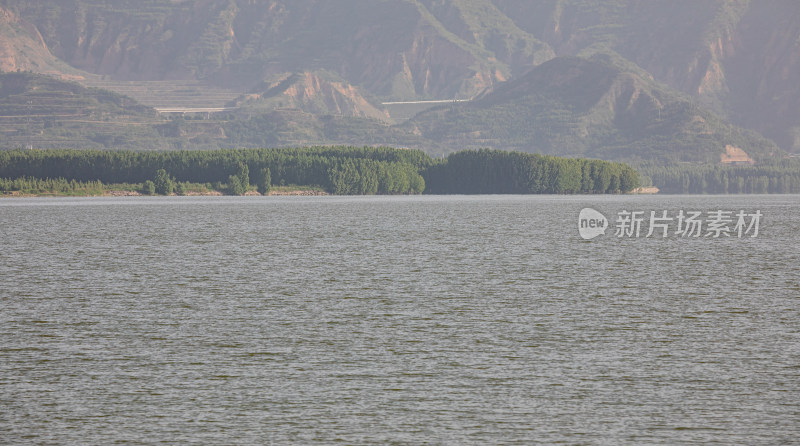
[(645, 190)]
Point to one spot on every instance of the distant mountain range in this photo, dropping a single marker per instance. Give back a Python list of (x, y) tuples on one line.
[(634, 80)]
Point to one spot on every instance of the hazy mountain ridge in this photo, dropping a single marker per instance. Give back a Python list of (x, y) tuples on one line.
[(740, 58), (590, 108), (40, 111), (737, 58), (394, 49), (43, 112)]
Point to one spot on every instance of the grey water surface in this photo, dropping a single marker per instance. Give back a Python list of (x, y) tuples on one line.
[(394, 320)]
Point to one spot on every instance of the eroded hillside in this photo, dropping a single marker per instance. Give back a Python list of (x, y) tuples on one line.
[(737, 59)]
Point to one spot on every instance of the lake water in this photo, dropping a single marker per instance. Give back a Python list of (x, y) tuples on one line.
[(394, 320)]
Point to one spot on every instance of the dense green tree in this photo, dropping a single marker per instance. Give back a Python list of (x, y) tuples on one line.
[(264, 181), (244, 175), (235, 185), (164, 185), (239, 183), (344, 179)]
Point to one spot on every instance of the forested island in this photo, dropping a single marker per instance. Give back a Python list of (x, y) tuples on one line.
[(336, 170)]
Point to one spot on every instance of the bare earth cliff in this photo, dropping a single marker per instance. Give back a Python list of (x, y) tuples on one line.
[(737, 59)]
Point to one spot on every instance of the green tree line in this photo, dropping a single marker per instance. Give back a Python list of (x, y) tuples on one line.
[(340, 170), (782, 177), (502, 172), (50, 185)]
